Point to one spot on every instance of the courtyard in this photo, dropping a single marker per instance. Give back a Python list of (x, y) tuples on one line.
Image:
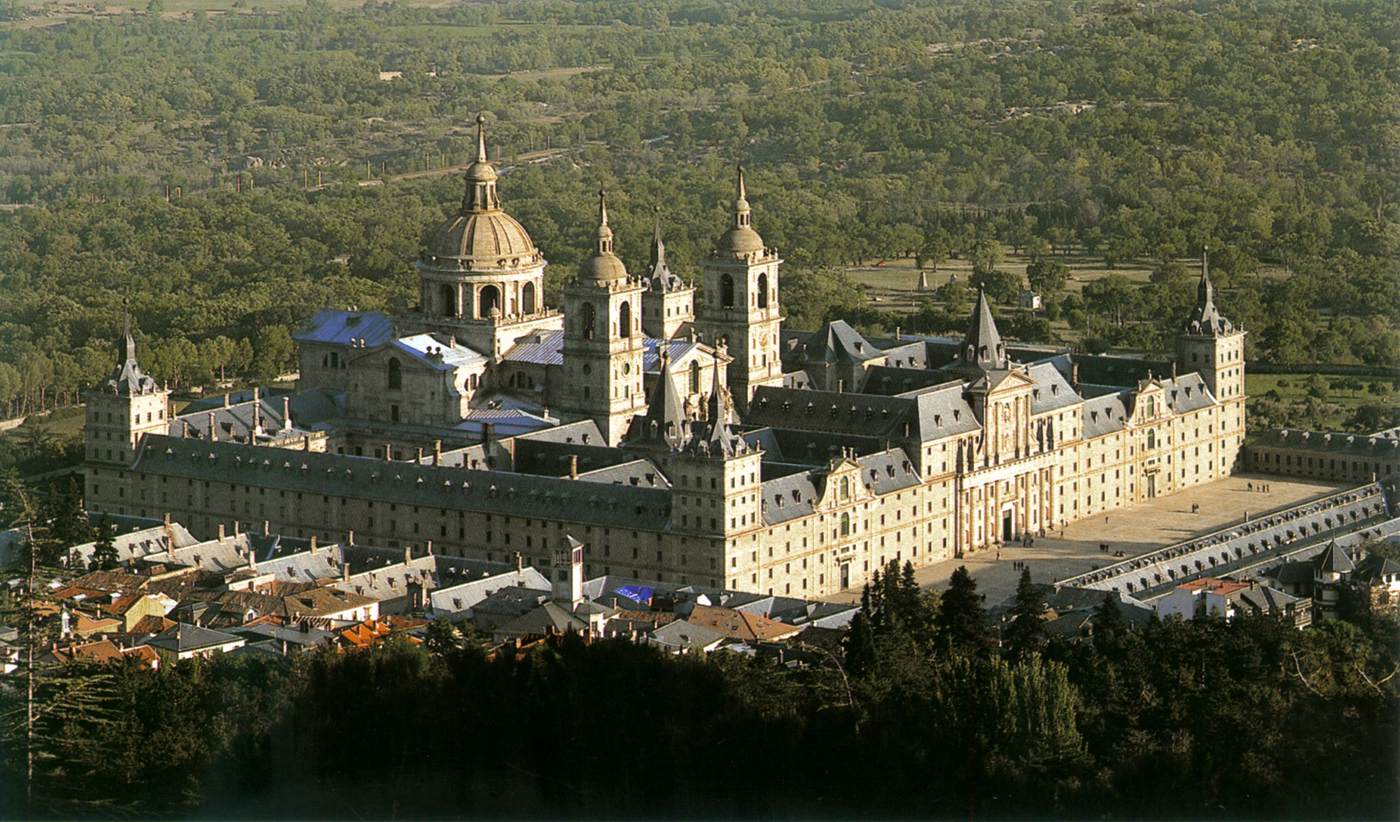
[(1137, 530)]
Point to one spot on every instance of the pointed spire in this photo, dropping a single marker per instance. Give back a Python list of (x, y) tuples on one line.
[(605, 235), (480, 177), (983, 346), (742, 216), (604, 265), (1206, 318)]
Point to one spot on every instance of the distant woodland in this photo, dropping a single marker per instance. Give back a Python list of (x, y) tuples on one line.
[(1145, 132)]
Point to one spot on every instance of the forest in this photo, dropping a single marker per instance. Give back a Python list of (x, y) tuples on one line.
[(220, 175), (930, 709)]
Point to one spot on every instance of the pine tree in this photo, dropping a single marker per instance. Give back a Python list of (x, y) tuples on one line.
[(1109, 624), (104, 552), (961, 622), (1026, 633)]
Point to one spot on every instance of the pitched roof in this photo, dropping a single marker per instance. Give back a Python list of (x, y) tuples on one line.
[(740, 625), (982, 345), (336, 327), (1334, 559), (184, 637)]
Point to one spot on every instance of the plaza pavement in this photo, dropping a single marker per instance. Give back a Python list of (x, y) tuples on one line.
[(1137, 530)]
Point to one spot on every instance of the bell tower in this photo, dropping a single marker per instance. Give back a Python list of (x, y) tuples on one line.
[(603, 341), (740, 307)]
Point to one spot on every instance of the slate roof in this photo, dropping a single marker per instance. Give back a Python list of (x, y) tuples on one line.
[(1375, 568), (891, 380), (184, 637), (127, 377), (638, 472), (1380, 445), (1206, 318), (1334, 559), (404, 482), (1186, 392), (982, 346), (835, 342), (469, 594), (888, 471), (682, 635), (928, 416), (548, 617), (543, 348), (789, 497), (1105, 414), (1052, 391), (334, 326)]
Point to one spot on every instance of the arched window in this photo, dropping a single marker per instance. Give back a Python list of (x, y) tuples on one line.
[(694, 377), (726, 291), (845, 525), (1151, 438), (487, 299), (447, 295), (395, 374), (845, 488), (624, 320), (586, 322), (527, 299), (763, 290)]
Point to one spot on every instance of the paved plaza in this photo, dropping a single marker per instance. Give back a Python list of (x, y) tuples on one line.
[(1133, 531)]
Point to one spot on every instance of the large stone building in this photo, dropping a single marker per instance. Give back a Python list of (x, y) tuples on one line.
[(686, 439)]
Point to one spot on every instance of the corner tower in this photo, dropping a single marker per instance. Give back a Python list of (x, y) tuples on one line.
[(1213, 347), (120, 412), (603, 339), (482, 278), (740, 307)]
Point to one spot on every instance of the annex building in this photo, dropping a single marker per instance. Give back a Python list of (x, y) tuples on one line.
[(682, 435)]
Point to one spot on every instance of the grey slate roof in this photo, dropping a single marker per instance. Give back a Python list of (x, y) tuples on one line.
[(337, 327), (928, 416), (405, 483), (434, 353), (1206, 319), (888, 471), (686, 636), (1382, 446), (183, 638), (835, 342), (1104, 415), (789, 497), (1052, 391), (1334, 559), (127, 377), (1187, 392), (544, 348)]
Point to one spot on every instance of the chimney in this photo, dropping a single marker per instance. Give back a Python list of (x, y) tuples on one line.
[(488, 433), (407, 554), (306, 442), (252, 559), (840, 386), (213, 428), (898, 333), (418, 458), (1173, 369), (428, 547), (313, 543), (226, 400), (256, 395), (221, 532), (286, 413), (184, 429), (519, 562), (437, 452), (267, 528), (388, 451), (345, 570), (573, 466), (1074, 373), (236, 526), (166, 518)]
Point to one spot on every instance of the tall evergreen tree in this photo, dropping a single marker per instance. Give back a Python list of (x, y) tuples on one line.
[(104, 551), (962, 624), (1026, 633)]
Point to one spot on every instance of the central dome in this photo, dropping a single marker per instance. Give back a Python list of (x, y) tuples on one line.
[(482, 238), (482, 235)]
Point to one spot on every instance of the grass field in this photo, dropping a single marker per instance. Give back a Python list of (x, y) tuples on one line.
[(892, 284)]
